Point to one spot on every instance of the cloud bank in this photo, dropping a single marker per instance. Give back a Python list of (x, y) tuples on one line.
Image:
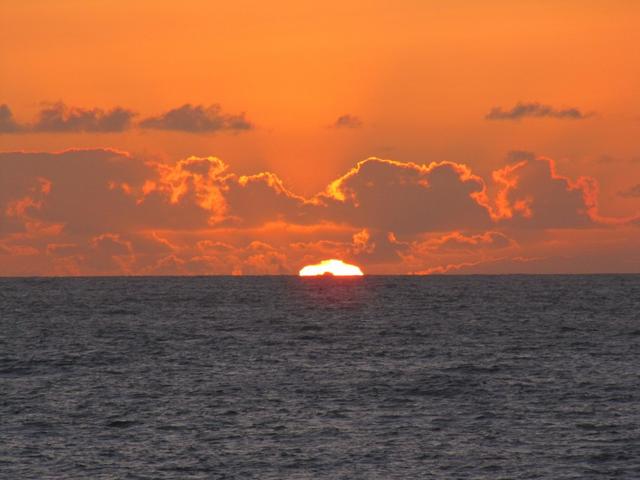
[(104, 211)]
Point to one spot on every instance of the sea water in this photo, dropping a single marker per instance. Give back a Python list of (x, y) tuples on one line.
[(480, 377)]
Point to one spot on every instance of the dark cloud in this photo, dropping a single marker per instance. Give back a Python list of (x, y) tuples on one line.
[(105, 211), (60, 118), (89, 192), (261, 258), (7, 122), (535, 110), (229, 199), (95, 191), (347, 121), (107, 254), (631, 192), (534, 195), (197, 119), (588, 261), (262, 198), (399, 197)]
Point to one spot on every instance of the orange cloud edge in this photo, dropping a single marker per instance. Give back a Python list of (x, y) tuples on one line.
[(138, 217)]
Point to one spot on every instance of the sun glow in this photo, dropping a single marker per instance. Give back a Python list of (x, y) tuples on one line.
[(331, 267)]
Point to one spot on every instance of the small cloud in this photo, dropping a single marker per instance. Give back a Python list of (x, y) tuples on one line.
[(631, 192), (347, 121), (7, 122), (58, 117), (535, 110), (197, 119)]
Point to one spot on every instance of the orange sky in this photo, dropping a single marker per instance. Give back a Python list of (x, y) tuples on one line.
[(413, 81)]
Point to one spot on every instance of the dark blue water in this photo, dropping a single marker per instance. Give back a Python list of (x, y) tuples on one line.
[(289, 378)]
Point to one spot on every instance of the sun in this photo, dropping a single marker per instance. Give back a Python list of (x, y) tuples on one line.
[(331, 267)]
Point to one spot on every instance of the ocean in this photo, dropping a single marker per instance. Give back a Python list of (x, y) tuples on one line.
[(444, 377)]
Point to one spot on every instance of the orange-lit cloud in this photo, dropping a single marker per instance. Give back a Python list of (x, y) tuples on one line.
[(404, 197), (104, 211), (533, 195), (456, 241)]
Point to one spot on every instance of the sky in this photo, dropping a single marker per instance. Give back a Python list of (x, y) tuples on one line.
[(163, 137)]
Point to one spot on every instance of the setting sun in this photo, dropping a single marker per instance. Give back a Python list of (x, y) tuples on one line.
[(331, 267)]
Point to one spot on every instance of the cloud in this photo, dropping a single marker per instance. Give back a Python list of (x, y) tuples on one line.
[(400, 197), (431, 253), (262, 259), (191, 182), (59, 118), (255, 258), (262, 198), (198, 119), (631, 192), (347, 121), (535, 110), (457, 241), (109, 254), (119, 191), (533, 195), (7, 122), (89, 192), (579, 260), (376, 247), (106, 211), (230, 199)]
